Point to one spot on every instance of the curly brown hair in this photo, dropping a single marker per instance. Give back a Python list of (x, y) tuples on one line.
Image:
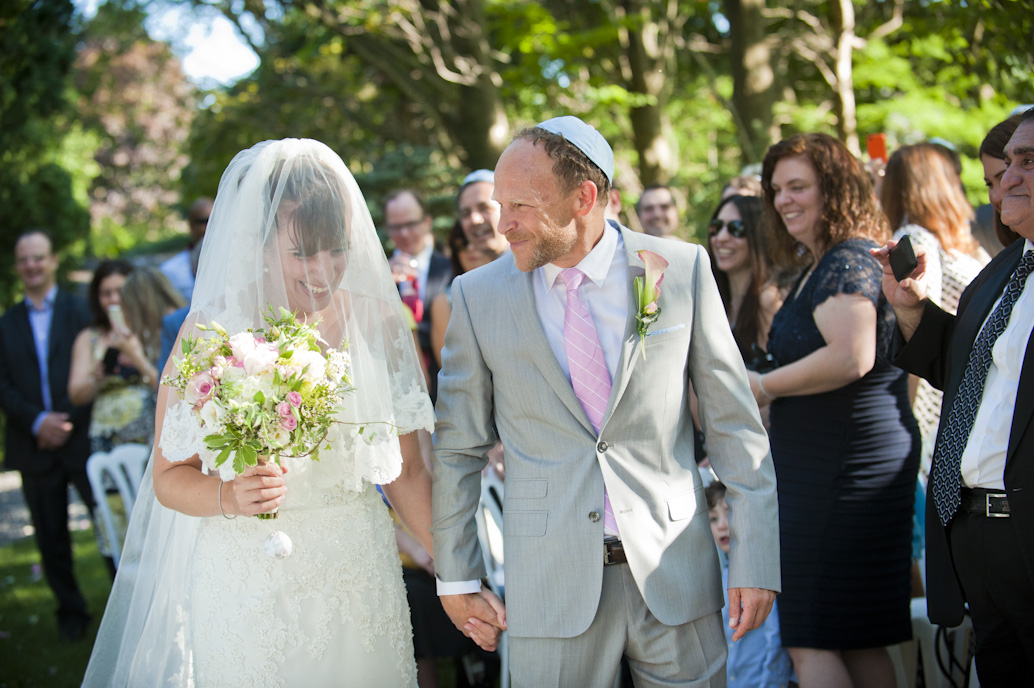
[(570, 165), (849, 208)]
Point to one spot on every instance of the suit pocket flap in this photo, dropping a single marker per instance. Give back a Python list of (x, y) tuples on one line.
[(524, 523), (525, 489), (682, 506)]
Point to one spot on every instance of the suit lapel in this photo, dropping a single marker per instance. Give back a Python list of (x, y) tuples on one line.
[(522, 305), (25, 353)]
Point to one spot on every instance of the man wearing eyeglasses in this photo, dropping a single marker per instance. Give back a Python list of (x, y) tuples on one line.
[(179, 269), (420, 271), (657, 211)]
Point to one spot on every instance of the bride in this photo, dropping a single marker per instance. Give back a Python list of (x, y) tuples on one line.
[(197, 601)]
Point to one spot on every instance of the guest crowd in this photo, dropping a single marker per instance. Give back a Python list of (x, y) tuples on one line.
[(897, 417)]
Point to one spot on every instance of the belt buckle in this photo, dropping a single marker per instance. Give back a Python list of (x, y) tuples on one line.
[(987, 505), (607, 545)]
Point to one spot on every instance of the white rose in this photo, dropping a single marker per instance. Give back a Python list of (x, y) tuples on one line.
[(317, 365), (260, 359), (233, 373), (242, 344), (213, 416)]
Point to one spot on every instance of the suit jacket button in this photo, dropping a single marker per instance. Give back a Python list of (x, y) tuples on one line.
[(594, 516), (602, 446)]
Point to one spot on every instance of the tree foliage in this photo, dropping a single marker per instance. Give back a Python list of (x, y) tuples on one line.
[(133, 98), (36, 190)]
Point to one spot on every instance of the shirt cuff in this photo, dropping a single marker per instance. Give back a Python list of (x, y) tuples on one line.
[(457, 587), (38, 422)]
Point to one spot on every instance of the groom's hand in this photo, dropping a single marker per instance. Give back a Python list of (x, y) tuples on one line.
[(748, 609), (479, 616)]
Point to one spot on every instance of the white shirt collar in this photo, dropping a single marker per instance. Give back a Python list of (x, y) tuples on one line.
[(595, 265)]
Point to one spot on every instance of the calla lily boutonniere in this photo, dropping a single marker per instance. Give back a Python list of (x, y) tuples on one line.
[(647, 289)]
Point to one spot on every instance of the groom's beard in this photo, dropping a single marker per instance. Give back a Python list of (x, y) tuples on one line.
[(550, 244)]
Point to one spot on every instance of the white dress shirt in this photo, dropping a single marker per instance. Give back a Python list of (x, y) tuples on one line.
[(983, 461), (605, 293)]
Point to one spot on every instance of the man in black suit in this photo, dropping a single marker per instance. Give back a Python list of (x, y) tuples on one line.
[(46, 436), (980, 504), (420, 271)]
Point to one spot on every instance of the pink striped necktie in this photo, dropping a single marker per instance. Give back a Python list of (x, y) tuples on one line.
[(589, 375)]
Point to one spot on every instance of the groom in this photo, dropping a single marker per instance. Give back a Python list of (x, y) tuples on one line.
[(607, 545)]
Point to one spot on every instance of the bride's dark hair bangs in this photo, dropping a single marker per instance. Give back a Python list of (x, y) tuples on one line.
[(312, 205)]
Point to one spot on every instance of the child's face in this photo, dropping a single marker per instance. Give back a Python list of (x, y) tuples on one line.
[(719, 518)]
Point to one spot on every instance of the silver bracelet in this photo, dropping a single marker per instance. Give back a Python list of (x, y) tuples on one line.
[(761, 386), (221, 502)]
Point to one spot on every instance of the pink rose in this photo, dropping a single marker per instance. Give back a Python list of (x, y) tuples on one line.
[(295, 398), (200, 389), (283, 409), (289, 423)]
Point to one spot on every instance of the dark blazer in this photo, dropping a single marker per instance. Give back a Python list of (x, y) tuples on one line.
[(21, 396), (938, 351), (439, 276)]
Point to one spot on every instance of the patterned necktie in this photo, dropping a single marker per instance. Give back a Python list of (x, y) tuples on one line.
[(589, 375), (947, 463)]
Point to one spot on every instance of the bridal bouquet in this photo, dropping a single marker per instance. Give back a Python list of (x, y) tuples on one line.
[(269, 392)]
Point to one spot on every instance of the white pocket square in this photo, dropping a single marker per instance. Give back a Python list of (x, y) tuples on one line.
[(666, 330)]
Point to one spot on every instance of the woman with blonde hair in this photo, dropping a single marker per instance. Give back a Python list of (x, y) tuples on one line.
[(147, 297), (923, 199)]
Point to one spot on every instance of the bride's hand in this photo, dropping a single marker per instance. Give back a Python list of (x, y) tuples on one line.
[(259, 490)]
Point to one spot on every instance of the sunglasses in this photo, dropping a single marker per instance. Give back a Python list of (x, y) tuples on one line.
[(737, 229)]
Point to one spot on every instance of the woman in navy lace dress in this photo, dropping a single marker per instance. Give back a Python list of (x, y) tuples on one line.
[(844, 442)]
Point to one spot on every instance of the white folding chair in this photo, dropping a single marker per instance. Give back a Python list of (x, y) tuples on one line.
[(489, 519), (124, 466)]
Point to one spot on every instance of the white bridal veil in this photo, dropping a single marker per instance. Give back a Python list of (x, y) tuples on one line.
[(289, 227)]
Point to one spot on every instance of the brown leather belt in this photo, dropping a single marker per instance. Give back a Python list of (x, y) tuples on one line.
[(987, 503), (613, 552)]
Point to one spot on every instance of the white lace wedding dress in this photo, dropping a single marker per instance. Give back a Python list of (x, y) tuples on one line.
[(333, 613)]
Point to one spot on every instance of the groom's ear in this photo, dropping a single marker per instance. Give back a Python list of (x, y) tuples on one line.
[(586, 196)]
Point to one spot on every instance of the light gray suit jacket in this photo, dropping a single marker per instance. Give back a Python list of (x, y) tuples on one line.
[(501, 379)]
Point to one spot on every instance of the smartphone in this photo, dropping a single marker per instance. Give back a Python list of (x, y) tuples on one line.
[(115, 318), (876, 144), (110, 362), (903, 259)]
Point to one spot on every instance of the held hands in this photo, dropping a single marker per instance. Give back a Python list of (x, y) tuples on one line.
[(259, 490), (480, 616), (748, 609)]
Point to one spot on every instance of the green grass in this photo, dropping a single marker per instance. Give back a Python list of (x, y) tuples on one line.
[(30, 653)]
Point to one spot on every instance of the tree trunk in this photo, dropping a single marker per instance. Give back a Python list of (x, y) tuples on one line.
[(481, 130), (842, 24), (648, 44), (753, 78)]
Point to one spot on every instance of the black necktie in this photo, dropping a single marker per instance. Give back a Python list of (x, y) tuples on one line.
[(947, 462)]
